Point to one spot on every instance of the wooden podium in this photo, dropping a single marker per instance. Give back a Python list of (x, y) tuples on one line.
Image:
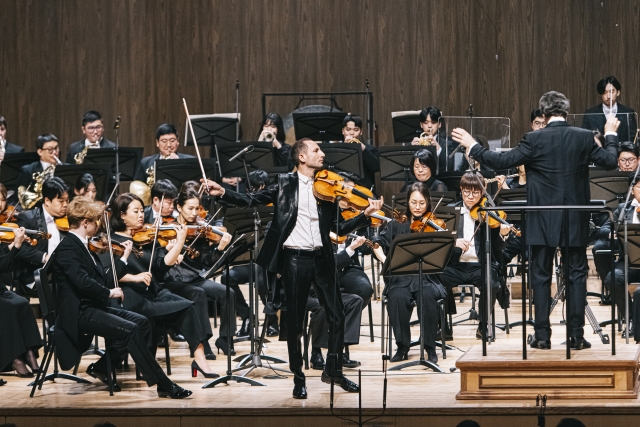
[(589, 374)]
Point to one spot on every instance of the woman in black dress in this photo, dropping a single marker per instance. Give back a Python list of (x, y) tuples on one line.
[(20, 338), (142, 290), (423, 166), (403, 291), (184, 278)]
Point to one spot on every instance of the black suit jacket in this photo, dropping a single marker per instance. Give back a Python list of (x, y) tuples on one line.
[(556, 160), (13, 148), (597, 120), (284, 196), (147, 162), (80, 280), (78, 146)]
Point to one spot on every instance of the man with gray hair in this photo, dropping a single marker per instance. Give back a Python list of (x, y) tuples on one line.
[(557, 160)]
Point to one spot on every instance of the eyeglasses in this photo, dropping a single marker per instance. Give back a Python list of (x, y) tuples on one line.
[(95, 128), (474, 193), (417, 204), (628, 161), (52, 149), (168, 141)]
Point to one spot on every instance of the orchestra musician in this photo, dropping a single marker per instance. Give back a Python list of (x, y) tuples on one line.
[(85, 291), (48, 150), (93, 131), (595, 117), (20, 338), (165, 193), (55, 200), (85, 187), (423, 165), (298, 247), (430, 124), (403, 291), (140, 280), (272, 129), (557, 160), (352, 132), (6, 146), (628, 154), (167, 143)]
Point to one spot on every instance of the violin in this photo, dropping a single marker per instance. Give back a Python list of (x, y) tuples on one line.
[(100, 245), (377, 218), (211, 233), (329, 186), (338, 240), (7, 235), (62, 223), (494, 218), (9, 212), (427, 224), (147, 234)]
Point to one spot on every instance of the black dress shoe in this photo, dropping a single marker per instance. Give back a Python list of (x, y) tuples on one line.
[(401, 354), (343, 382), (317, 362), (348, 363), (540, 344), (579, 343), (175, 392), (176, 337), (273, 331), (221, 344), (244, 329), (195, 369), (299, 392), (210, 356), (432, 356), (2, 382), (99, 375)]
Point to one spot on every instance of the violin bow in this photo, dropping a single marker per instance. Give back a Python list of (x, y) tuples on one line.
[(155, 238), (208, 223), (107, 227), (437, 204), (195, 143)]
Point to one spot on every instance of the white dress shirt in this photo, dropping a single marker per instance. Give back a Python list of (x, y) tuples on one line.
[(45, 165), (608, 112), (634, 217), (306, 233), (469, 228), (54, 241), (90, 144)]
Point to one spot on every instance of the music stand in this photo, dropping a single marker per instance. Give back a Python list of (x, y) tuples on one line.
[(631, 238), (513, 197), (448, 198), (610, 186), (452, 179), (240, 220), (319, 126), (129, 158), (212, 128), (406, 125), (11, 166), (181, 170), (260, 158), (101, 174), (342, 157), (419, 253), (395, 162)]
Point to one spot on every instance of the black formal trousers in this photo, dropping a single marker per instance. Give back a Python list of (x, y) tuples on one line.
[(469, 273), (355, 281), (602, 261), (541, 271), (400, 303), (239, 275), (634, 302), (352, 318), (128, 331), (301, 271)]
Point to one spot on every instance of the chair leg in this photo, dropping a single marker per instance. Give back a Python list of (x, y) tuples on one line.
[(506, 321), (370, 321), (443, 326), (215, 314), (75, 368), (110, 371), (43, 369), (166, 349)]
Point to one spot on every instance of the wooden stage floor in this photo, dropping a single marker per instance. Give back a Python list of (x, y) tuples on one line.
[(415, 396)]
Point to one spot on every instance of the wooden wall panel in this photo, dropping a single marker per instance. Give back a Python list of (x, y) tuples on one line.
[(138, 58)]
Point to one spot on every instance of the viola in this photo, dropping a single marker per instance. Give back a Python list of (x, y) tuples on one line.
[(147, 234), (338, 240), (7, 234), (211, 233), (100, 245), (9, 213), (494, 218), (62, 223), (329, 186), (427, 224)]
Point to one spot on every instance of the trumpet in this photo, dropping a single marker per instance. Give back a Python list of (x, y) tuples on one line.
[(490, 180), (269, 137), (426, 139)]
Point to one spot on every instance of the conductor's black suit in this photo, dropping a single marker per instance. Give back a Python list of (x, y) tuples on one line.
[(557, 161)]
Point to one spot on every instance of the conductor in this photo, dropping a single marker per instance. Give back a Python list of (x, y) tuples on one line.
[(557, 161)]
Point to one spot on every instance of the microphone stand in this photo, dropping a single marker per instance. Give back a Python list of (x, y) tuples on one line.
[(116, 126)]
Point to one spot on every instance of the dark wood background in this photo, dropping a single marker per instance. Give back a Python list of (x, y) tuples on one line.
[(138, 58)]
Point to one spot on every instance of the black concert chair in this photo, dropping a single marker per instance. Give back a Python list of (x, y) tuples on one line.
[(48, 305)]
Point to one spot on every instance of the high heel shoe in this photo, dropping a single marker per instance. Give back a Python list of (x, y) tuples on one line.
[(195, 369), (401, 354), (21, 369), (221, 344)]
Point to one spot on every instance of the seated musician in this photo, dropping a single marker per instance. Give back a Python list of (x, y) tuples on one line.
[(141, 276), (628, 154), (93, 131), (423, 165), (48, 150), (272, 129), (537, 123), (464, 265), (167, 143), (430, 124), (55, 200), (403, 291), (165, 193), (184, 277), (6, 146), (85, 187), (20, 338), (353, 306), (632, 217), (595, 117), (84, 296), (352, 132)]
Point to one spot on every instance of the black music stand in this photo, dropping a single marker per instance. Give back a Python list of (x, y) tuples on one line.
[(11, 166), (210, 129), (319, 126), (448, 198), (260, 158), (101, 174), (181, 170), (129, 159), (452, 179), (240, 220), (395, 162), (610, 186), (341, 157), (419, 253), (406, 126)]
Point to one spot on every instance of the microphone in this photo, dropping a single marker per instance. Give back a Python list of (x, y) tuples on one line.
[(116, 125), (247, 149)]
